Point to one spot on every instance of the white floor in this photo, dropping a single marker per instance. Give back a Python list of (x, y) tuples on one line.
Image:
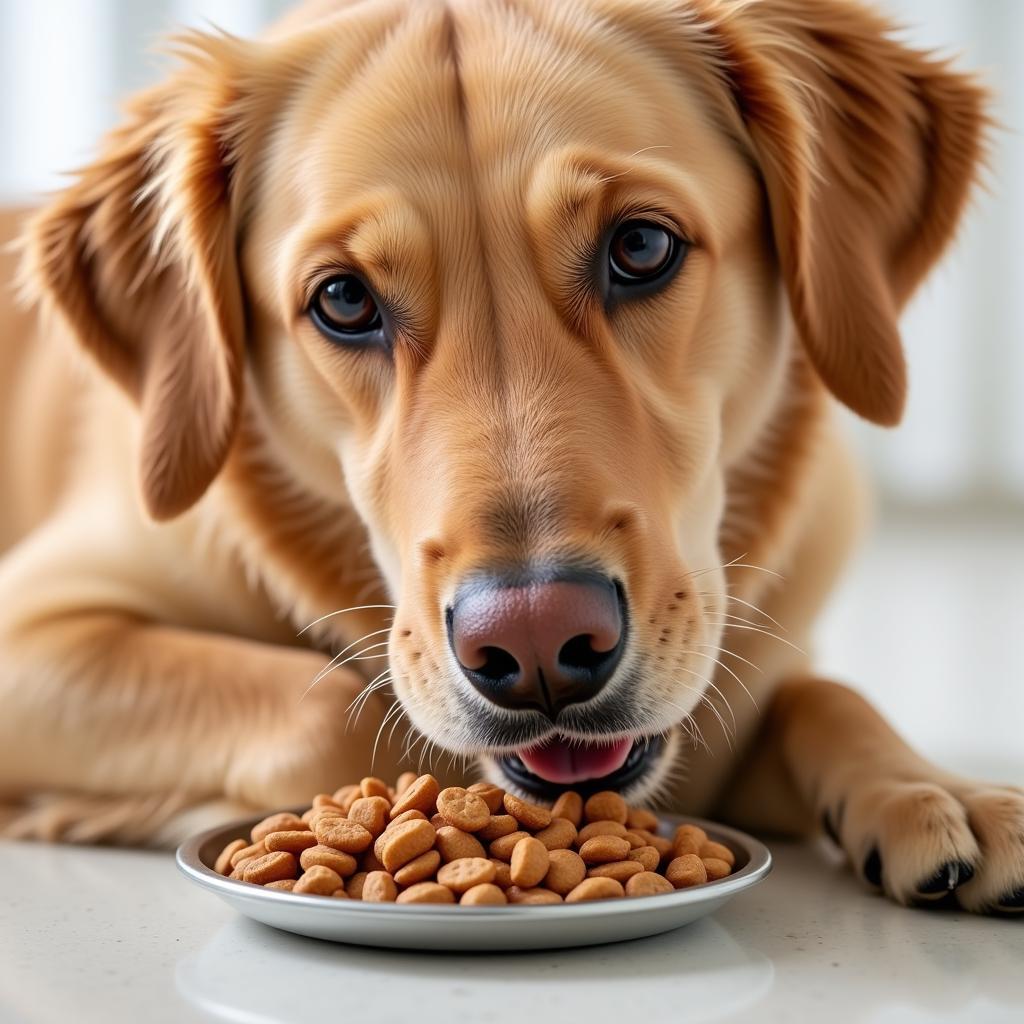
[(930, 624)]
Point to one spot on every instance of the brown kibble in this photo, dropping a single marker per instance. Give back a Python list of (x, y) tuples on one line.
[(372, 786), (686, 871), (484, 895), (282, 884), (648, 883), (491, 795), (318, 881), (406, 816), (529, 864), (419, 869), (344, 864), (426, 892), (497, 826), (716, 868), (717, 851), (596, 889), (421, 795), (569, 806), (396, 847), (371, 862), (639, 818), (326, 802), (223, 864), (565, 872), (404, 781), (502, 848), (559, 835), (661, 844), (454, 843), (601, 828), (342, 834), (346, 794), (339, 894), (257, 849), (271, 867), (465, 873), (354, 886), (635, 840), (688, 839), (292, 842), (646, 856), (238, 871), (530, 816), (620, 870), (462, 809), (604, 850), (307, 816), (502, 873), (372, 812), (284, 822), (379, 887), (437, 820), (606, 806), (517, 894)]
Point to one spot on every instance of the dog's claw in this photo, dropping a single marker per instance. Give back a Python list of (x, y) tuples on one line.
[(828, 827), (947, 878), (873, 868)]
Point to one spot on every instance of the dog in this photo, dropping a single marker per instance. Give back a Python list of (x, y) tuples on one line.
[(493, 344)]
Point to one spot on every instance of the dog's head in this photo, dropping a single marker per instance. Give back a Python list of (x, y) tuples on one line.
[(518, 281)]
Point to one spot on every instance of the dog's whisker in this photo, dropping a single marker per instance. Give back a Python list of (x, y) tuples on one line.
[(345, 650), (395, 706), (722, 665), (732, 654), (343, 611), (358, 656), (765, 632)]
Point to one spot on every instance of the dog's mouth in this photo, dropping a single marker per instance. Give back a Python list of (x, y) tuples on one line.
[(557, 764)]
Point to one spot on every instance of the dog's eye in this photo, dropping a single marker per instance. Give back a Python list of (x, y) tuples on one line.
[(641, 252), (344, 309)]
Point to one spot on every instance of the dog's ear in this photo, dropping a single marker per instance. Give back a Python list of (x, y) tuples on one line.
[(138, 258), (868, 151)]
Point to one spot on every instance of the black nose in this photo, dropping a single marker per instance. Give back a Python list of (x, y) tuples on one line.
[(542, 642)]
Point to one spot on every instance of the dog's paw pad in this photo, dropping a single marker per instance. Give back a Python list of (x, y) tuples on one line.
[(872, 869)]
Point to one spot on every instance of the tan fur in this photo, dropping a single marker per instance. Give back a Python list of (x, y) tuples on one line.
[(195, 475)]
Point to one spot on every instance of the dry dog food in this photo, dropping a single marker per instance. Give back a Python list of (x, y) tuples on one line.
[(478, 846)]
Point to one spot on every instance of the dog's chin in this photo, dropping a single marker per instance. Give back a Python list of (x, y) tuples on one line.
[(639, 776)]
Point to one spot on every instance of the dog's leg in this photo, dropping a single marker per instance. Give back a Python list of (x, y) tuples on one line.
[(908, 827), (113, 713)]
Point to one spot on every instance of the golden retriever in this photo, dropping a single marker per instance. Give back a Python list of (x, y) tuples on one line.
[(489, 343)]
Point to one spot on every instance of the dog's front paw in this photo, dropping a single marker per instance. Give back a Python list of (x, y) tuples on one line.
[(923, 842)]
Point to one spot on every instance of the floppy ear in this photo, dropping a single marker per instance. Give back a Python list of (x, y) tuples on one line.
[(868, 151), (138, 258)]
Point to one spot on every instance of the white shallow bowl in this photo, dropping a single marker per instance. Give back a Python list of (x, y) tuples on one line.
[(433, 927)]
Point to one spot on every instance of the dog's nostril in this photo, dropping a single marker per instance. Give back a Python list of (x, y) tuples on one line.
[(579, 652), (498, 666)]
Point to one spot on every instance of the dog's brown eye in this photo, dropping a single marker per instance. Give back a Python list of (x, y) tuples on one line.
[(640, 252), (343, 306)]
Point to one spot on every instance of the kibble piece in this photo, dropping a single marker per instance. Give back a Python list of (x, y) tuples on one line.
[(346, 794), (342, 834), (379, 887), (648, 883), (517, 894), (566, 870), (686, 871), (371, 862), (426, 892), (530, 862), (559, 835), (372, 812), (716, 868), (406, 816), (404, 781), (717, 851), (421, 795), (484, 895), (324, 801), (530, 816), (276, 823), (401, 844), (462, 809), (646, 856), (419, 869), (639, 818), (292, 841), (502, 873), (465, 873), (635, 840), (257, 849), (342, 863), (223, 864), (498, 825), (354, 886), (502, 848), (271, 867), (307, 816), (454, 843), (601, 828), (318, 881), (661, 843), (340, 894), (437, 820), (238, 871), (620, 870), (688, 839), (491, 795), (606, 806), (324, 814), (283, 884), (569, 806), (372, 786), (595, 889), (604, 849)]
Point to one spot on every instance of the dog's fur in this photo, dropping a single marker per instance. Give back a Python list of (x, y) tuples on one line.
[(216, 476)]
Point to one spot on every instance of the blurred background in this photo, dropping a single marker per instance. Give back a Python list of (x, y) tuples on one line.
[(930, 620)]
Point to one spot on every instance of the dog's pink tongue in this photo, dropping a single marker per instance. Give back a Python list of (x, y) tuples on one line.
[(559, 761)]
